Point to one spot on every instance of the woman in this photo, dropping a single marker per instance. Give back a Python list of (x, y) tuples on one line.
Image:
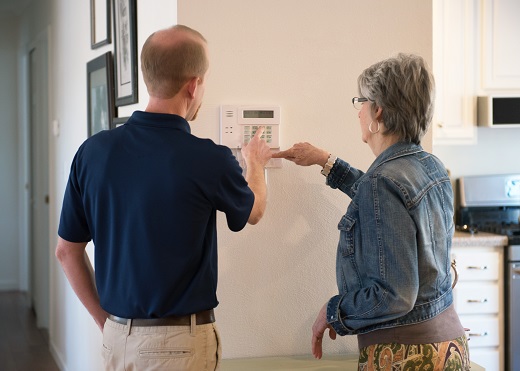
[(393, 258)]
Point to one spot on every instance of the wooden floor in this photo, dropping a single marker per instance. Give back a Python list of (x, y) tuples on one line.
[(23, 347)]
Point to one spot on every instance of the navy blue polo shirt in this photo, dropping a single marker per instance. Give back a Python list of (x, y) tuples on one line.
[(146, 193)]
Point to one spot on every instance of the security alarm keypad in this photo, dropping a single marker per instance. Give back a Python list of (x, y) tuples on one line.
[(239, 124)]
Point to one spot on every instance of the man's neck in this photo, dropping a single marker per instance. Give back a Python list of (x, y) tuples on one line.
[(170, 106)]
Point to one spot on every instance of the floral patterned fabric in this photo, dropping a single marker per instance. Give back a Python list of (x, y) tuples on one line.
[(449, 355)]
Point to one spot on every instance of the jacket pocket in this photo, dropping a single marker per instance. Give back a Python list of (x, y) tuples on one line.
[(346, 229), (159, 353)]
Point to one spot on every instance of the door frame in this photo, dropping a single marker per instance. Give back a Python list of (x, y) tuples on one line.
[(42, 40)]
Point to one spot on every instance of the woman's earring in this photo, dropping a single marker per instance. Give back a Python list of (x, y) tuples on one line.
[(378, 127)]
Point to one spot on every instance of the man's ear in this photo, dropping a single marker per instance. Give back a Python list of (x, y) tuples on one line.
[(192, 86)]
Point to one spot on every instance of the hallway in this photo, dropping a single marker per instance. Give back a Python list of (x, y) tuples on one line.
[(23, 347)]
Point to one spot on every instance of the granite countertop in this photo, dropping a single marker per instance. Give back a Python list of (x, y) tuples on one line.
[(464, 239), (297, 363)]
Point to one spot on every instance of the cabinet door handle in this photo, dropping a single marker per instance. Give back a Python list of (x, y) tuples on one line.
[(477, 300), (479, 268), (476, 334)]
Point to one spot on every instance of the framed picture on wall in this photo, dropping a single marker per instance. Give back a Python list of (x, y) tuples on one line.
[(118, 121), (100, 94), (125, 41), (99, 23)]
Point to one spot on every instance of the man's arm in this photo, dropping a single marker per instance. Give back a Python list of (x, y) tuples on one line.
[(256, 180), (79, 272), (256, 154)]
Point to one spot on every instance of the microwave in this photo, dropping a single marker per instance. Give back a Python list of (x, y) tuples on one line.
[(499, 111)]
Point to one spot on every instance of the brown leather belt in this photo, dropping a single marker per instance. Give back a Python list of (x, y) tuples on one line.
[(207, 316)]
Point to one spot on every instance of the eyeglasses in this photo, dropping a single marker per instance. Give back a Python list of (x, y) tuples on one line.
[(357, 102)]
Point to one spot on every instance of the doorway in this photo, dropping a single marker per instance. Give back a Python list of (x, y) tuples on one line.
[(38, 171)]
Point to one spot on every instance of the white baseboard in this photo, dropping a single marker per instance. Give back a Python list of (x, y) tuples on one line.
[(9, 285), (57, 358)]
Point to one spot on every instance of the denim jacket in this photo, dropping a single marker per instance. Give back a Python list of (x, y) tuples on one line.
[(393, 258)]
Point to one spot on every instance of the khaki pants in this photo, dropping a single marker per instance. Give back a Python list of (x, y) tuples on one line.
[(179, 348)]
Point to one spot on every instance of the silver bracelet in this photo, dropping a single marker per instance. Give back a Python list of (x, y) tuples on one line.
[(329, 164)]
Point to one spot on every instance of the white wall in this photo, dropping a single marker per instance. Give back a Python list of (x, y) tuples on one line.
[(304, 56), (9, 209), (496, 152)]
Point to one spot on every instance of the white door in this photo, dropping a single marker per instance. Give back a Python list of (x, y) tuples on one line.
[(39, 182)]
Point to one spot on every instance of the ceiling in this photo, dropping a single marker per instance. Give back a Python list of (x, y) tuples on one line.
[(13, 7)]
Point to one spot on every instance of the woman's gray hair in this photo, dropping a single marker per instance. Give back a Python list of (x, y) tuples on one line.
[(404, 88)]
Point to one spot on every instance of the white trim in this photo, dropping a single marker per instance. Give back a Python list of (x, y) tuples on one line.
[(8, 285), (58, 358), (25, 230), (23, 175)]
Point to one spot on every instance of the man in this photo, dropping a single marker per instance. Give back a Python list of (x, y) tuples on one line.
[(147, 193)]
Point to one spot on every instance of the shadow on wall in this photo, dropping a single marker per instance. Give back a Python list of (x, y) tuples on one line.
[(280, 283)]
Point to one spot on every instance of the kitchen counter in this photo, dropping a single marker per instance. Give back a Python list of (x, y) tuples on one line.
[(464, 239), (295, 363)]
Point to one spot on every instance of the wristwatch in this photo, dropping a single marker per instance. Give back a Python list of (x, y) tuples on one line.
[(329, 164)]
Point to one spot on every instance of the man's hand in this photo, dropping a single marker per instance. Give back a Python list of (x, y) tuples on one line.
[(256, 152)]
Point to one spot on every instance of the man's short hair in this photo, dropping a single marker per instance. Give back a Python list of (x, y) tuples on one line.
[(168, 65)]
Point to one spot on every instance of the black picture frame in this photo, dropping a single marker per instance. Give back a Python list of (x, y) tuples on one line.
[(100, 94), (125, 51), (100, 23), (118, 121)]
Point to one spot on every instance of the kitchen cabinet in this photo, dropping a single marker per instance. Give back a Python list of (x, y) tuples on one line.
[(455, 68), (479, 295), (500, 52), (475, 53)]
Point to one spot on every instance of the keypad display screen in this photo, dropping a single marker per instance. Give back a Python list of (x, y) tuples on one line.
[(258, 114)]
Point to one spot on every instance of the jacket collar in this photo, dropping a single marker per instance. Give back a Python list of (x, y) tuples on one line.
[(396, 150)]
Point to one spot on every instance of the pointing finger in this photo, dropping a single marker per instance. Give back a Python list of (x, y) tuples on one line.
[(283, 154), (259, 132)]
